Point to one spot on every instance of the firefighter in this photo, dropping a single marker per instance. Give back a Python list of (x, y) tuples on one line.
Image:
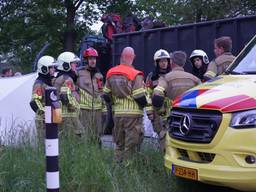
[(90, 83), (126, 90), (200, 61), (159, 117), (224, 57), (67, 92), (46, 69), (175, 82)]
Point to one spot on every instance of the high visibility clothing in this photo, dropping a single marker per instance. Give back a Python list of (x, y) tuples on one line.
[(66, 89), (90, 83), (219, 65), (125, 84)]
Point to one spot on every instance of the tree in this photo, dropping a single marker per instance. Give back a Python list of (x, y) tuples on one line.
[(189, 11), (25, 26), (121, 7), (203, 10), (161, 10)]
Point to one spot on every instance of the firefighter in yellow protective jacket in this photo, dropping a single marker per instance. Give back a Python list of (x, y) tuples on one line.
[(175, 82), (45, 68), (224, 57), (125, 88), (67, 92), (159, 116), (90, 83)]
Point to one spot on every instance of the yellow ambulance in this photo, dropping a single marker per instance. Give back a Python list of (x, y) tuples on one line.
[(212, 128)]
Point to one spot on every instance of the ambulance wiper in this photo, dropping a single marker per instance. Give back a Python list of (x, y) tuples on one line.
[(249, 72), (233, 73)]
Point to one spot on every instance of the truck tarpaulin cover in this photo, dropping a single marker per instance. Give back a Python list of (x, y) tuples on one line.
[(17, 122)]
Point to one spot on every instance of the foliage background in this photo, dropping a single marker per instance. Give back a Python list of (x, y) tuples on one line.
[(26, 25)]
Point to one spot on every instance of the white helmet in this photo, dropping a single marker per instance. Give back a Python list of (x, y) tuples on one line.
[(44, 63), (199, 53), (65, 59), (161, 54)]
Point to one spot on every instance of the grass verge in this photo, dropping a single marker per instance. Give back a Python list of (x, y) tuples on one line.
[(87, 167)]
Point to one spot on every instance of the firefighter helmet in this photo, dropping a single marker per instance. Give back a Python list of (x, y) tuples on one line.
[(90, 52), (199, 53), (44, 63), (65, 59), (161, 54)]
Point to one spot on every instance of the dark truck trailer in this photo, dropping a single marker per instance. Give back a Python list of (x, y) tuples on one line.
[(183, 37)]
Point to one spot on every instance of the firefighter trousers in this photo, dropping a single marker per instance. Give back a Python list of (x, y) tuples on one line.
[(128, 135), (71, 126), (92, 121)]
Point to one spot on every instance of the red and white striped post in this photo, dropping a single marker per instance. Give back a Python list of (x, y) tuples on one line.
[(52, 118)]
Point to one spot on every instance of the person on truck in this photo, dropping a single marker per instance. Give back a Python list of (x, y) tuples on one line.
[(173, 83), (125, 89), (67, 92), (200, 61), (224, 57), (46, 69), (158, 117), (90, 83), (7, 72)]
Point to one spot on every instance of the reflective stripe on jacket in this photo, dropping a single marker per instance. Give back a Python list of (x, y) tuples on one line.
[(126, 86), (90, 85), (65, 86)]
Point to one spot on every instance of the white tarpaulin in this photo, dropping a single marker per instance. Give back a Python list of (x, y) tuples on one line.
[(148, 128), (16, 116)]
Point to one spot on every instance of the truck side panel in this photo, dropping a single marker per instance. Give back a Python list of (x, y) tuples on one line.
[(184, 37)]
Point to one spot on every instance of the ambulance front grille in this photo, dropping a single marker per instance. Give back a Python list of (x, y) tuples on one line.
[(194, 125)]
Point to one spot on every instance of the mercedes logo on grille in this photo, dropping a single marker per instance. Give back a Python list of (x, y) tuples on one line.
[(185, 125)]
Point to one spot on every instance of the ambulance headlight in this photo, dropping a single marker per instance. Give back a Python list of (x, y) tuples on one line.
[(245, 119)]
